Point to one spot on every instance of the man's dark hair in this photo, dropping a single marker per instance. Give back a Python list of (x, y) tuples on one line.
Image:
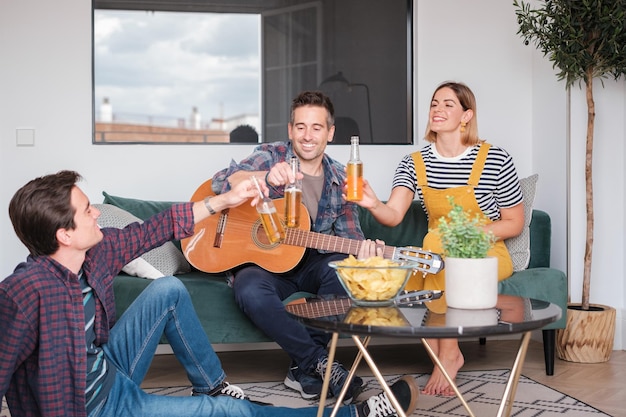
[(244, 133), (40, 208), (314, 98)]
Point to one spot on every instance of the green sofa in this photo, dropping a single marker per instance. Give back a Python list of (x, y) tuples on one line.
[(225, 323)]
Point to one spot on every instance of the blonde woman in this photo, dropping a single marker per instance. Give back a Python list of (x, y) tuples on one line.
[(480, 177)]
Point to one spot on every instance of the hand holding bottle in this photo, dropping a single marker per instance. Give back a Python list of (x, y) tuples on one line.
[(281, 175), (269, 216), (369, 198)]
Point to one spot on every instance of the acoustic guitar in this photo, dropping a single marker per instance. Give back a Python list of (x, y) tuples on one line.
[(235, 237)]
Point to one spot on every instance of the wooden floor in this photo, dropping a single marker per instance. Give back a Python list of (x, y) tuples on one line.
[(602, 385)]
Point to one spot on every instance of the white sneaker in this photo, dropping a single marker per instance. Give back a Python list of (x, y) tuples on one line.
[(406, 392), (223, 389)]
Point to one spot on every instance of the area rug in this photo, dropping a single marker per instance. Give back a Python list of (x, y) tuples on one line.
[(481, 389)]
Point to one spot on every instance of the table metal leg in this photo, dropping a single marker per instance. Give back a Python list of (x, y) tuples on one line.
[(331, 359), (511, 386), (381, 379), (508, 396), (363, 353), (351, 374)]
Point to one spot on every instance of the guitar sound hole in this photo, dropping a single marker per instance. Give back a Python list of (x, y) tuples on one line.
[(259, 237)]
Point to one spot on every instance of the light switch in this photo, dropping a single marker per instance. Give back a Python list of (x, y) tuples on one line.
[(25, 137)]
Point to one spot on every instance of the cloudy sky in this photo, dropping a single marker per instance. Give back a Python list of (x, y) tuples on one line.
[(163, 64)]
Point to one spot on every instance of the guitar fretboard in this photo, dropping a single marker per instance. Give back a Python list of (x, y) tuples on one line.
[(308, 239), (319, 308)]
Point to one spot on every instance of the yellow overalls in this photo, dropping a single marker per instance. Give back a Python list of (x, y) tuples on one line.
[(437, 205)]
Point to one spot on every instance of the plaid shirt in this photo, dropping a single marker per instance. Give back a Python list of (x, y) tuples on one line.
[(334, 215), (42, 341)]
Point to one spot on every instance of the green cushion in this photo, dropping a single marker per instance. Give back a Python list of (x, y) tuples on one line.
[(140, 208), (410, 232)]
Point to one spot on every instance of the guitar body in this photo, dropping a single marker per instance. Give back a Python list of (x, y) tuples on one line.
[(236, 237)]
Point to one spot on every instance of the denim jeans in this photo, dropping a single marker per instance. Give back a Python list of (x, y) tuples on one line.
[(165, 307), (260, 296)]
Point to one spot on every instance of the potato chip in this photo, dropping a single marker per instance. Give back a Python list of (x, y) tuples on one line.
[(375, 316), (372, 279)]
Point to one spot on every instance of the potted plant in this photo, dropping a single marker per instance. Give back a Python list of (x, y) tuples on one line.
[(585, 40), (471, 275)]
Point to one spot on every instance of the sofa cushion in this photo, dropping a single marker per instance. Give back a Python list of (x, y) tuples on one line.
[(519, 246), (140, 208), (165, 260), (143, 209), (410, 232)]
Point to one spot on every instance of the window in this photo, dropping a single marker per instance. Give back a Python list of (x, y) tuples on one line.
[(226, 71)]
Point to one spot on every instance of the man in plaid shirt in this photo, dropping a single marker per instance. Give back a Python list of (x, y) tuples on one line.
[(260, 293), (61, 352)]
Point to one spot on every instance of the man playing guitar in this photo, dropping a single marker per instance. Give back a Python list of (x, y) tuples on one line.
[(260, 293)]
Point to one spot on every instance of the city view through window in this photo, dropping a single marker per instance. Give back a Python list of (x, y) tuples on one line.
[(171, 77)]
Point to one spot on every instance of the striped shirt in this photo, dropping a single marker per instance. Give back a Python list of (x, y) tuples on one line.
[(497, 188), (100, 377)]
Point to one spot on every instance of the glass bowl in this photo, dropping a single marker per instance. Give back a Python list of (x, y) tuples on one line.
[(370, 285)]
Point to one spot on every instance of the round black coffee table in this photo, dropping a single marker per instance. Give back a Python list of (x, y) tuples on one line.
[(338, 315)]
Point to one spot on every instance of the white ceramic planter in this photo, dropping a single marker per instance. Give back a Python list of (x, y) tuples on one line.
[(471, 318), (471, 283)]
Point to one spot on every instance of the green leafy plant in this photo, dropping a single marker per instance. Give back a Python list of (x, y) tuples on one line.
[(584, 39), (464, 236)]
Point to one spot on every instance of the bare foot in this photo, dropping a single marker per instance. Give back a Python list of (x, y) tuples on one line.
[(437, 383)]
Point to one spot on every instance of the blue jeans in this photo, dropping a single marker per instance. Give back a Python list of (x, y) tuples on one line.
[(260, 296), (165, 307)]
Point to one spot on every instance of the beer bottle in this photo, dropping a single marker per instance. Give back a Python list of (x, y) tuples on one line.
[(354, 171), (293, 196), (269, 216)]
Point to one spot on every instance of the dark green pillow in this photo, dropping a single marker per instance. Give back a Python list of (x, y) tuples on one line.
[(410, 232), (139, 208)]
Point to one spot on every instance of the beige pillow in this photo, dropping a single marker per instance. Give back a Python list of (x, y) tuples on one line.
[(165, 260), (519, 246)]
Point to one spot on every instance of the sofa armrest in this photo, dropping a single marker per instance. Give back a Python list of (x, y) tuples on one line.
[(547, 284), (540, 239)]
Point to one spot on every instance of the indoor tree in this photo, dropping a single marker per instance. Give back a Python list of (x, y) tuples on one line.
[(585, 40)]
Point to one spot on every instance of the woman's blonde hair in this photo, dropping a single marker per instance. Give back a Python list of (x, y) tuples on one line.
[(468, 102)]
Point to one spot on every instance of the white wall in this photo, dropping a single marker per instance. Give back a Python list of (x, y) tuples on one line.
[(45, 84)]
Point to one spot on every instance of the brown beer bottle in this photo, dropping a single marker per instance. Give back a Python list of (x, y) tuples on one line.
[(293, 196), (269, 217), (354, 170)]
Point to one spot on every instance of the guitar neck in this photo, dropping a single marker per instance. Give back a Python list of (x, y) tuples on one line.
[(314, 240), (313, 308)]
